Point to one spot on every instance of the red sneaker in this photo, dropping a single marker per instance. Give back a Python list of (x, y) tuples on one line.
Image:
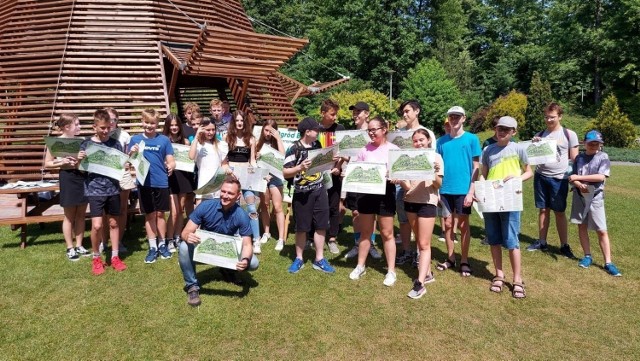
[(117, 264), (98, 266)]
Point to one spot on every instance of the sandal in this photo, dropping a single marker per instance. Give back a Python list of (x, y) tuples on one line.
[(465, 270), (518, 291), (446, 265), (496, 284)]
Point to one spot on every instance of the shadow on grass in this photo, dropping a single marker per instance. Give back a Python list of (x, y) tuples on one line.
[(242, 279)]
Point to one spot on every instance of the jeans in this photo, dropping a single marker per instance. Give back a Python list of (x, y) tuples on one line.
[(253, 213), (502, 228), (188, 265)]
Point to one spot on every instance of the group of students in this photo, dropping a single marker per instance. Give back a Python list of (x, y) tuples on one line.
[(226, 141)]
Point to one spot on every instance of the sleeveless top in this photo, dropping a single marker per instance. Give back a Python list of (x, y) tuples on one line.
[(240, 154)]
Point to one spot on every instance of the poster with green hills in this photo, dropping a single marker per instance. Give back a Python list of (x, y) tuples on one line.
[(411, 164), (63, 147), (351, 142), (401, 138), (322, 159), (365, 177), (214, 184), (181, 155), (272, 160), (217, 249), (103, 160), (541, 152)]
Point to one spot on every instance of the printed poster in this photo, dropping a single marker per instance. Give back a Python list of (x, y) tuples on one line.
[(412, 164), (498, 196), (217, 249), (104, 160), (140, 163), (322, 159), (365, 177), (351, 142), (402, 138), (251, 178), (181, 155), (214, 184), (63, 147), (541, 152), (272, 160)]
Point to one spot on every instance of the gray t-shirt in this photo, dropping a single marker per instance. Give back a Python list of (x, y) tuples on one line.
[(593, 164), (558, 169)]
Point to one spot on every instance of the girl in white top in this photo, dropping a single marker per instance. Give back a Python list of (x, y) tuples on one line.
[(207, 155)]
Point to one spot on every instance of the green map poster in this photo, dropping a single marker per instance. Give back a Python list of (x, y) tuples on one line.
[(181, 155), (103, 160), (365, 177), (411, 164), (218, 249), (63, 147)]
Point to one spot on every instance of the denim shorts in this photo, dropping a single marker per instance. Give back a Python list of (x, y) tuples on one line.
[(550, 192), (275, 182), (454, 204), (502, 228)]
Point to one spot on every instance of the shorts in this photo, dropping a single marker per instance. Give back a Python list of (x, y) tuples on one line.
[(181, 182), (351, 201), (423, 210), (100, 205), (502, 228), (275, 182), (550, 192), (595, 216), (383, 205), (153, 199), (454, 204), (311, 210), (402, 215)]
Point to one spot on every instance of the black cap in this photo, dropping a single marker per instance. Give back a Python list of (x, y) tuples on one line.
[(308, 123), (360, 106)]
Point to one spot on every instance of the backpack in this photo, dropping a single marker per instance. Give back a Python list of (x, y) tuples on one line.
[(297, 146)]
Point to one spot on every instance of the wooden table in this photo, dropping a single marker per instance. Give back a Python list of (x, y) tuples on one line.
[(30, 212)]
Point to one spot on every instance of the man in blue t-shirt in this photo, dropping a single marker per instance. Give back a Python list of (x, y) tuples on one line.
[(221, 215), (460, 153)]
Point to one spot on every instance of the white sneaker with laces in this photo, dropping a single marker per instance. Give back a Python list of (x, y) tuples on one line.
[(265, 238), (256, 247), (353, 252), (333, 247), (390, 279), (279, 245), (373, 251), (357, 273)]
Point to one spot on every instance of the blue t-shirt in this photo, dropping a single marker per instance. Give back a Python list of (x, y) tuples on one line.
[(98, 185), (210, 216), (156, 150), (457, 155)]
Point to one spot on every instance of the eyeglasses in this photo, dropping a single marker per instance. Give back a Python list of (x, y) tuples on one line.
[(373, 130), (502, 129)]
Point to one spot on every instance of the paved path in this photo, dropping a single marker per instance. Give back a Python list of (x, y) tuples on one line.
[(625, 163)]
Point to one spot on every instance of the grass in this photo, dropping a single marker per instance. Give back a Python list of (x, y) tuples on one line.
[(55, 309)]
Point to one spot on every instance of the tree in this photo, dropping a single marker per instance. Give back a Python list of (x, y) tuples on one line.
[(616, 128), (429, 84), (513, 104), (378, 105), (538, 98)]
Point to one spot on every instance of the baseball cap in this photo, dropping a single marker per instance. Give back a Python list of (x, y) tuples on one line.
[(308, 123), (593, 136), (508, 122), (456, 110), (360, 106)]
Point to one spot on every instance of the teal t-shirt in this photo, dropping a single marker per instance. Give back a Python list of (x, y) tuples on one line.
[(457, 155)]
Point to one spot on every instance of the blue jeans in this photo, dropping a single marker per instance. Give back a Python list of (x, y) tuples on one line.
[(253, 213), (502, 228), (550, 192), (188, 265)]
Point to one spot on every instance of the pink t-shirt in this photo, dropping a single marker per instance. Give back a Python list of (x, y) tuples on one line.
[(371, 153)]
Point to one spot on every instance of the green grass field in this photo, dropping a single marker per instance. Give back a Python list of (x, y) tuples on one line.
[(55, 309)]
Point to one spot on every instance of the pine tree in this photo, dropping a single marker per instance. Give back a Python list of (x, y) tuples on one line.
[(538, 98), (615, 126)]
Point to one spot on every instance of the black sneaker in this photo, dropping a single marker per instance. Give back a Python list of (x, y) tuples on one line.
[(565, 249), (193, 296), (72, 255)]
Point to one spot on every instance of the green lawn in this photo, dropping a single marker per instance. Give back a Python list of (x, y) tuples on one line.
[(54, 309)]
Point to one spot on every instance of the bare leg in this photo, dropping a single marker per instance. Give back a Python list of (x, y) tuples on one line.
[(124, 212), (151, 225), (301, 241), (465, 234), (405, 236), (448, 236), (114, 232), (188, 203), (67, 226), (174, 214), (388, 241), (423, 228), (96, 234), (265, 217), (276, 199), (318, 240), (162, 225), (605, 246), (514, 255), (78, 224), (562, 226), (496, 255), (543, 223), (583, 234), (366, 229)]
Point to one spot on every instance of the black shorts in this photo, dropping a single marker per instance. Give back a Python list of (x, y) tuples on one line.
[(423, 210), (181, 182), (100, 205), (454, 203), (311, 210), (384, 205), (351, 201), (154, 199)]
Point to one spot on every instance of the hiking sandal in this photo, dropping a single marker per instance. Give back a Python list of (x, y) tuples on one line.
[(518, 291), (465, 269), (496, 284), (446, 265)]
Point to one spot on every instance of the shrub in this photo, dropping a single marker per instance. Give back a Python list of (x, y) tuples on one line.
[(538, 98), (476, 124), (513, 104), (615, 126)]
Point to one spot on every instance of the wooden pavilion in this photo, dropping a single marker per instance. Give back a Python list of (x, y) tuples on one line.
[(59, 56)]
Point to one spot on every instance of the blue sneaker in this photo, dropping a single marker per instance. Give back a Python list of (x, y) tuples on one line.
[(324, 266), (586, 261), (296, 266), (164, 251), (612, 269), (151, 256)]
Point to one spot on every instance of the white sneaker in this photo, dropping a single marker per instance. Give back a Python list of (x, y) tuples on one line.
[(81, 251), (441, 238), (390, 279), (333, 247), (353, 252), (279, 245), (101, 247), (357, 273), (265, 238), (373, 251), (256, 247), (171, 246)]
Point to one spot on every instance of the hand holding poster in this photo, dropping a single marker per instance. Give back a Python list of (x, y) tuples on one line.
[(140, 163), (181, 155), (412, 164), (272, 160), (541, 152), (498, 196), (322, 159), (63, 147), (365, 177), (218, 249), (214, 184), (103, 160), (350, 142)]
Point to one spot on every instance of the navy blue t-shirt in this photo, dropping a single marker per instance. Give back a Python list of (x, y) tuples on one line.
[(210, 216)]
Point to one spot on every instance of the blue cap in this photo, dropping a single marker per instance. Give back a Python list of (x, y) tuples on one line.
[(593, 136)]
